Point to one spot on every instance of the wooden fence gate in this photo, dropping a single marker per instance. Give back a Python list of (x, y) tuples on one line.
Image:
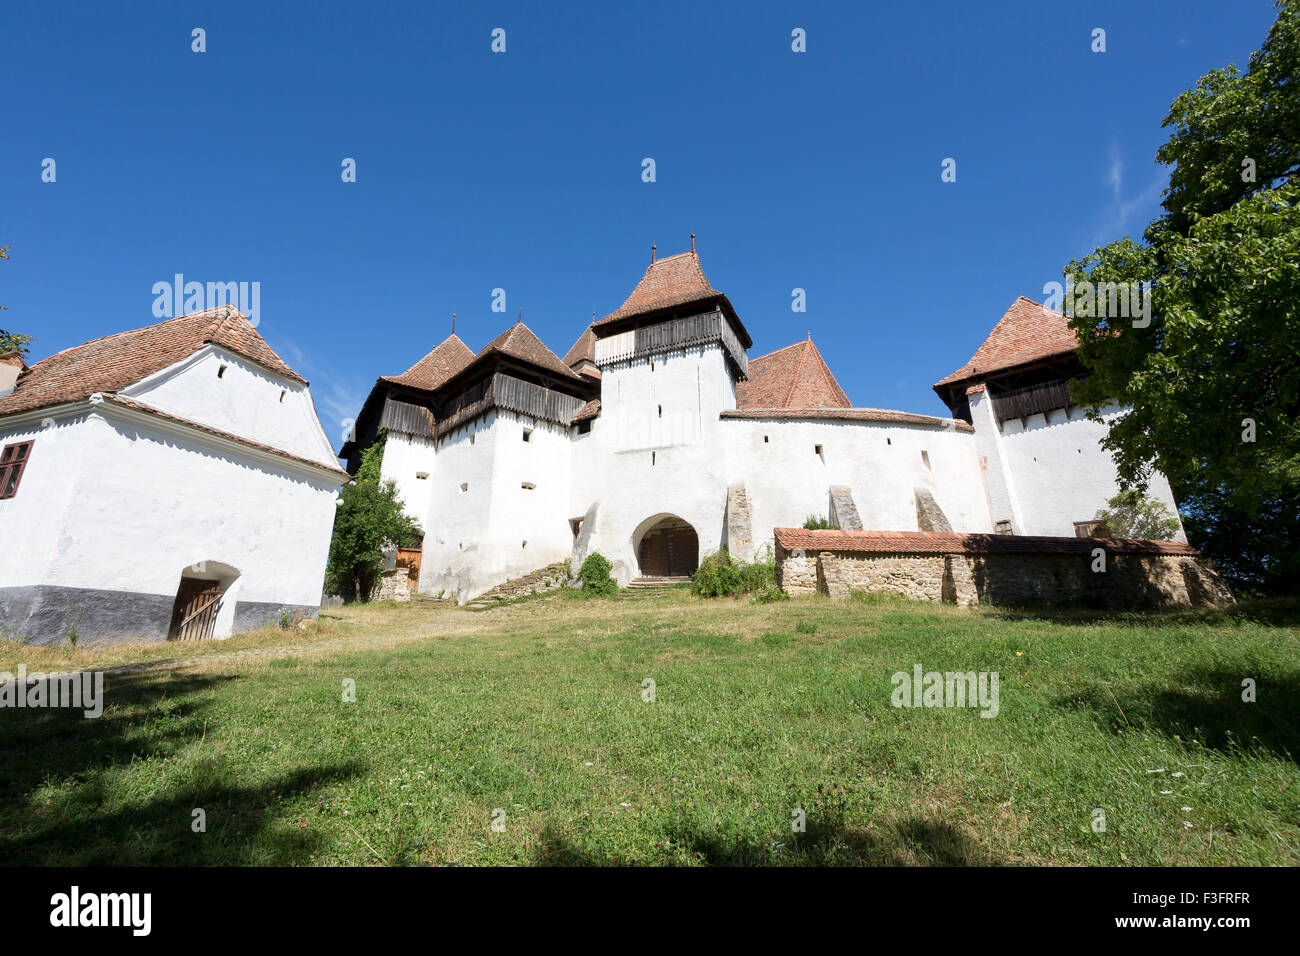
[(194, 614)]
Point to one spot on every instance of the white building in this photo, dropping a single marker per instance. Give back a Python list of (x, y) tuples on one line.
[(657, 440), (172, 480)]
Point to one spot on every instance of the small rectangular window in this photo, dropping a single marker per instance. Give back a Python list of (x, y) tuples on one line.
[(925, 459), (817, 449), (528, 434), (13, 461), (527, 486), (1086, 529), (1002, 527)]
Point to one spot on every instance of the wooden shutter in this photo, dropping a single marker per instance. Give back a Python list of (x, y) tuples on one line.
[(13, 461)]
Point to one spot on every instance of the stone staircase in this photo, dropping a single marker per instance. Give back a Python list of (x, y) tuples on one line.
[(534, 582), (659, 582)]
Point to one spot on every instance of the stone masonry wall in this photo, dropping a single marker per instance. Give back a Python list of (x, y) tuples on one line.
[(971, 579), (395, 585)]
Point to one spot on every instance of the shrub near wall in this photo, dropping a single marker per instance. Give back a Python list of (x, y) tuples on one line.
[(596, 579), (719, 575)]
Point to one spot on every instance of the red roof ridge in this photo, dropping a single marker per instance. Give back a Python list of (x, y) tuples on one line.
[(1028, 331), (794, 379)]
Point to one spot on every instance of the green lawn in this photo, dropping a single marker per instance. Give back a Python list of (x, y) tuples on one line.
[(536, 709)]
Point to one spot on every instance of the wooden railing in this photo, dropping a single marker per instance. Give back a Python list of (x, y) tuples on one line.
[(1036, 399), (513, 394), (671, 335)]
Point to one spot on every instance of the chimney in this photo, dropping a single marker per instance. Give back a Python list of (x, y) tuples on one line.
[(11, 366)]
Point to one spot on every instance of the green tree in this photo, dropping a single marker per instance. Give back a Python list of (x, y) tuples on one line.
[(1131, 514), (1213, 382), (11, 341), (369, 519)]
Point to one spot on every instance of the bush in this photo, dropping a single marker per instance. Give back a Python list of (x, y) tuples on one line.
[(769, 594), (596, 579), (718, 575), (816, 523)]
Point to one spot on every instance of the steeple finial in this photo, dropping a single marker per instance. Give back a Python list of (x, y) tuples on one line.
[(453, 323), (692, 242), (520, 318), (652, 253)]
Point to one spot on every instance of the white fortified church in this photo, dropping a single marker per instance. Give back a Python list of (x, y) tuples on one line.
[(657, 440)]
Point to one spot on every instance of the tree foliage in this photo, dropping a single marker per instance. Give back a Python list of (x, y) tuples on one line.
[(1131, 514), (11, 341), (1213, 383), (369, 520)]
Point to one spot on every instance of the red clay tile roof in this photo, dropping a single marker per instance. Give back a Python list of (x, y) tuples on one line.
[(881, 415), (588, 411), (446, 359), (520, 342), (584, 350), (116, 361), (793, 377), (1026, 333), (940, 542), (667, 283)]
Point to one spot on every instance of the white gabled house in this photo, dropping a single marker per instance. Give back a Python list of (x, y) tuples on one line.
[(168, 481)]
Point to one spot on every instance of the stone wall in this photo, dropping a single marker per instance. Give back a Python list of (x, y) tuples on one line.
[(394, 585), (969, 580)]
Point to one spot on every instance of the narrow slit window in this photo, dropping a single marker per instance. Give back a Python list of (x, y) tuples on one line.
[(817, 450), (925, 459), (528, 434), (221, 372)]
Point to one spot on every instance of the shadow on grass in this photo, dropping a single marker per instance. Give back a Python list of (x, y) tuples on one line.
[(1205, 704), (1268, 612), (59, 768), (910, 842)]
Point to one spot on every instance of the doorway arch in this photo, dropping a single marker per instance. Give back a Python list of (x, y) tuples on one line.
[(666, 546), (201, 608)]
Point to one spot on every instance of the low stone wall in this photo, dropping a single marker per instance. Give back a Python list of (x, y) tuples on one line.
[(969, 570), (394, 585)]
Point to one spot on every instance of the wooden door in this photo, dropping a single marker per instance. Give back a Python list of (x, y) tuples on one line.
[(409, 558), (654, 556), (194, 613), (683, 552)]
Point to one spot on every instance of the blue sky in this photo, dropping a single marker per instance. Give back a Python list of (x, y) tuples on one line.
[(522, 170)]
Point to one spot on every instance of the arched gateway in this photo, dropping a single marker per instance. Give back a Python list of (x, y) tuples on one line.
[(668, 547)]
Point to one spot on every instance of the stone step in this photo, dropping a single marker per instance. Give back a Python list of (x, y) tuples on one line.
[(659, 582), (543, 579)]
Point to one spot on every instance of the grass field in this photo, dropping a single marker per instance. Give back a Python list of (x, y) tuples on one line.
[(534, 713)]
